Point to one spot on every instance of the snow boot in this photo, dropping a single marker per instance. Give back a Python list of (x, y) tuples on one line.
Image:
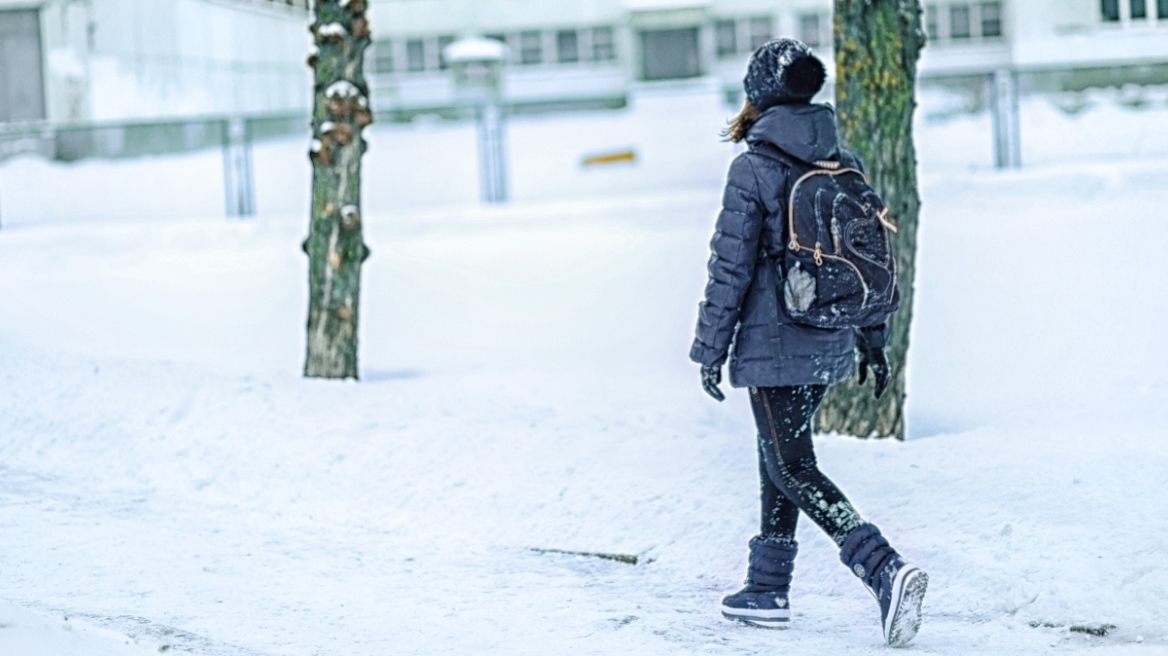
[(768, 581), (898, 587)]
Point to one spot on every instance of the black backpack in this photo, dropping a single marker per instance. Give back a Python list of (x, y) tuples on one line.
[(838, 268)]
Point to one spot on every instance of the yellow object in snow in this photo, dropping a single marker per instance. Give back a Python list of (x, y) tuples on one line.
[(611, 158)]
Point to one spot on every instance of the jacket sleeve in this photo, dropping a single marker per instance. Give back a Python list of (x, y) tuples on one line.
[(734, 250)]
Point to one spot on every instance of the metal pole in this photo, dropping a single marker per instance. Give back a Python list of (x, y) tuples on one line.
[(238, 181), (477, 67), (1006, 124), (229, 193), (247, 170), (492, 161)]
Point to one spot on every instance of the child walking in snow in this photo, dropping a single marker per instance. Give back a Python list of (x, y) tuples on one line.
[(788, 365)]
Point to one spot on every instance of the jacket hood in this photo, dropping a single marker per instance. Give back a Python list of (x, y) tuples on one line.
[(804, 131)]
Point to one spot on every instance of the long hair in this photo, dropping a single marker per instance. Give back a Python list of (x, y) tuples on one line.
[(740, 125)]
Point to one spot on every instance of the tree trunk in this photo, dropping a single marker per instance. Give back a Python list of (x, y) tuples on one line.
[(334, 245), (877, 44)]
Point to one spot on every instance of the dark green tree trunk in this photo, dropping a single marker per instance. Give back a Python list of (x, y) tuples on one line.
[(877, 44), (334, 245)]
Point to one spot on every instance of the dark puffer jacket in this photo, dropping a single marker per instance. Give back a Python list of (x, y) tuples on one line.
[(768, 351)]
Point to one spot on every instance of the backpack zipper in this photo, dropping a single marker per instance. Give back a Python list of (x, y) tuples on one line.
[(817, 252)]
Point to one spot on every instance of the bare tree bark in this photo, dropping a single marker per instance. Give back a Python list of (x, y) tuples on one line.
[(877, 44), (334, 245)]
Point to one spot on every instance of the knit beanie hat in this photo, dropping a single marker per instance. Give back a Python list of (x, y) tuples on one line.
[(783, 72)]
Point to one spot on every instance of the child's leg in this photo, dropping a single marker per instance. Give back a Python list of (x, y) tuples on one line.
[(764, 599), (779, 514), (784, 416)]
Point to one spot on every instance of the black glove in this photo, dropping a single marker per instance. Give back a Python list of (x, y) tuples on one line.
[(874, 359), (711, 377)]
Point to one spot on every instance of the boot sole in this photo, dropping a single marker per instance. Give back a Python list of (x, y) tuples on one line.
[(778, 618), (904, 617)]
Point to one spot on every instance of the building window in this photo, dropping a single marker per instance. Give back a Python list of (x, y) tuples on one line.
[(670, 54), (965, 21), (959, 23), (760, 32), (415, 55), (530, 48), (21, 77), (567, 46), (932, 28), (1110, 9), (383, 57), (1137, 10), (991, 19), (603, 47), (726, 37), (809, 29)]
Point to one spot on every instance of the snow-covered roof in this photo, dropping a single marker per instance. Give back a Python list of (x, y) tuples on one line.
[(475, 49)]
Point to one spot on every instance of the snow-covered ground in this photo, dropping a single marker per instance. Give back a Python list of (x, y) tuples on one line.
[(169, 480)]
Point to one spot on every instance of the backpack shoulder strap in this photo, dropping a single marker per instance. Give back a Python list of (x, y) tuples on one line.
[(795, 169)]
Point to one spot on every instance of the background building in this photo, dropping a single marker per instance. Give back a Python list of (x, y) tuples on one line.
[(585, 53), (1051, 45), (125, 77), (598, 52), (76, 61)]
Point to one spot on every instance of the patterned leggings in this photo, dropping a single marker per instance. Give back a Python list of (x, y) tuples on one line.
[(790, 477)]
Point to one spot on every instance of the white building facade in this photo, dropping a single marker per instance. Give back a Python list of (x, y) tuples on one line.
[(84, 61), (1088, 42), (588, 52), (597, 52)]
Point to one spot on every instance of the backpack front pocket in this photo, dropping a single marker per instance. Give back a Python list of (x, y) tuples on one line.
[(841, 271)]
